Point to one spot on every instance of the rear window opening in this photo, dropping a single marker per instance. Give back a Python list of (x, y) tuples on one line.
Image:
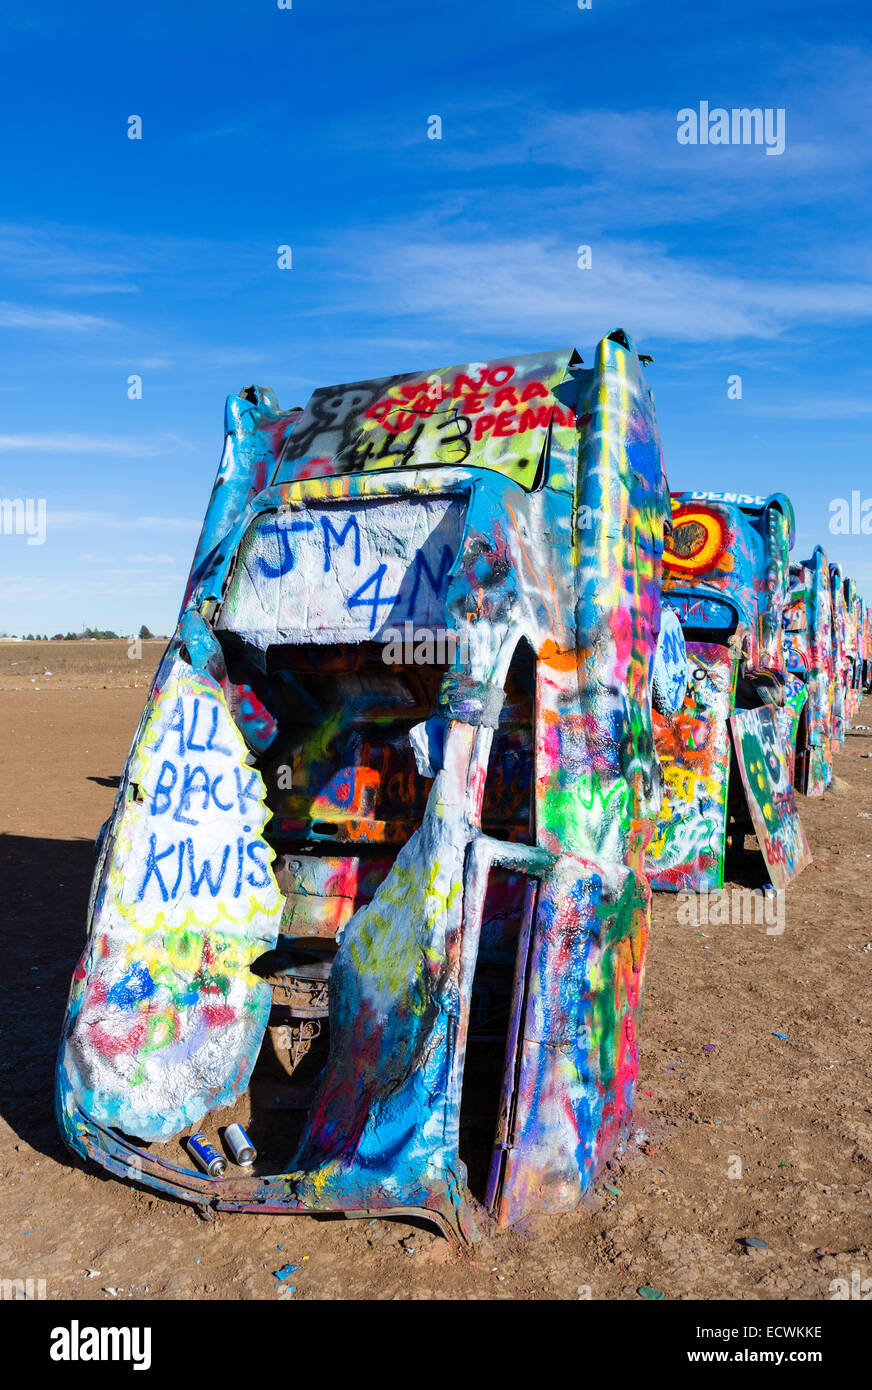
[(709, 635), (341, 766)]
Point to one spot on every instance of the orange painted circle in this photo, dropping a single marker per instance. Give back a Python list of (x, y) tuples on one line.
[(698, 552)]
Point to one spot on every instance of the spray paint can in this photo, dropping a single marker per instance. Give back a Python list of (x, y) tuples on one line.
[(243, 1151), (206, 1156)]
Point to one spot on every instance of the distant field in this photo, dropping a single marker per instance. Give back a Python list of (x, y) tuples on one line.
[(77, 665)]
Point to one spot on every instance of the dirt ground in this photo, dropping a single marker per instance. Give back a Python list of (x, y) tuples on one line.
[(756, 1136)]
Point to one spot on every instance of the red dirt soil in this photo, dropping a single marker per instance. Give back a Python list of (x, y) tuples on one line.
[(760, 1136)]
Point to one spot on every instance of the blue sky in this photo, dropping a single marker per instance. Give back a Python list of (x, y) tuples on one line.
[(308, 127)]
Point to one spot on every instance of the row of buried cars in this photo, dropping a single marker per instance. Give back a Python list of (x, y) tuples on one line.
[(455, 683), (778, 655)]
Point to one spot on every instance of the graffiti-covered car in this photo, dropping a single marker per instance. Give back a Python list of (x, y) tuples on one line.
[(374, 881), (810, 657), (852, 669), (727, 752)]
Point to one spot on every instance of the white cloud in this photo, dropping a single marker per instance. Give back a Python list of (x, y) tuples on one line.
[(107, 521), (24, 316), (817, 405), (54, 592), (87, 444), (531, 290), (141, 364), (97, 287)]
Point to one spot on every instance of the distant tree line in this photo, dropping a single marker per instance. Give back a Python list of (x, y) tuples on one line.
[(102, 634)]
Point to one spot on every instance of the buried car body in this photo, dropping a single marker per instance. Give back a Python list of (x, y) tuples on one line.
[(393, 916)]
